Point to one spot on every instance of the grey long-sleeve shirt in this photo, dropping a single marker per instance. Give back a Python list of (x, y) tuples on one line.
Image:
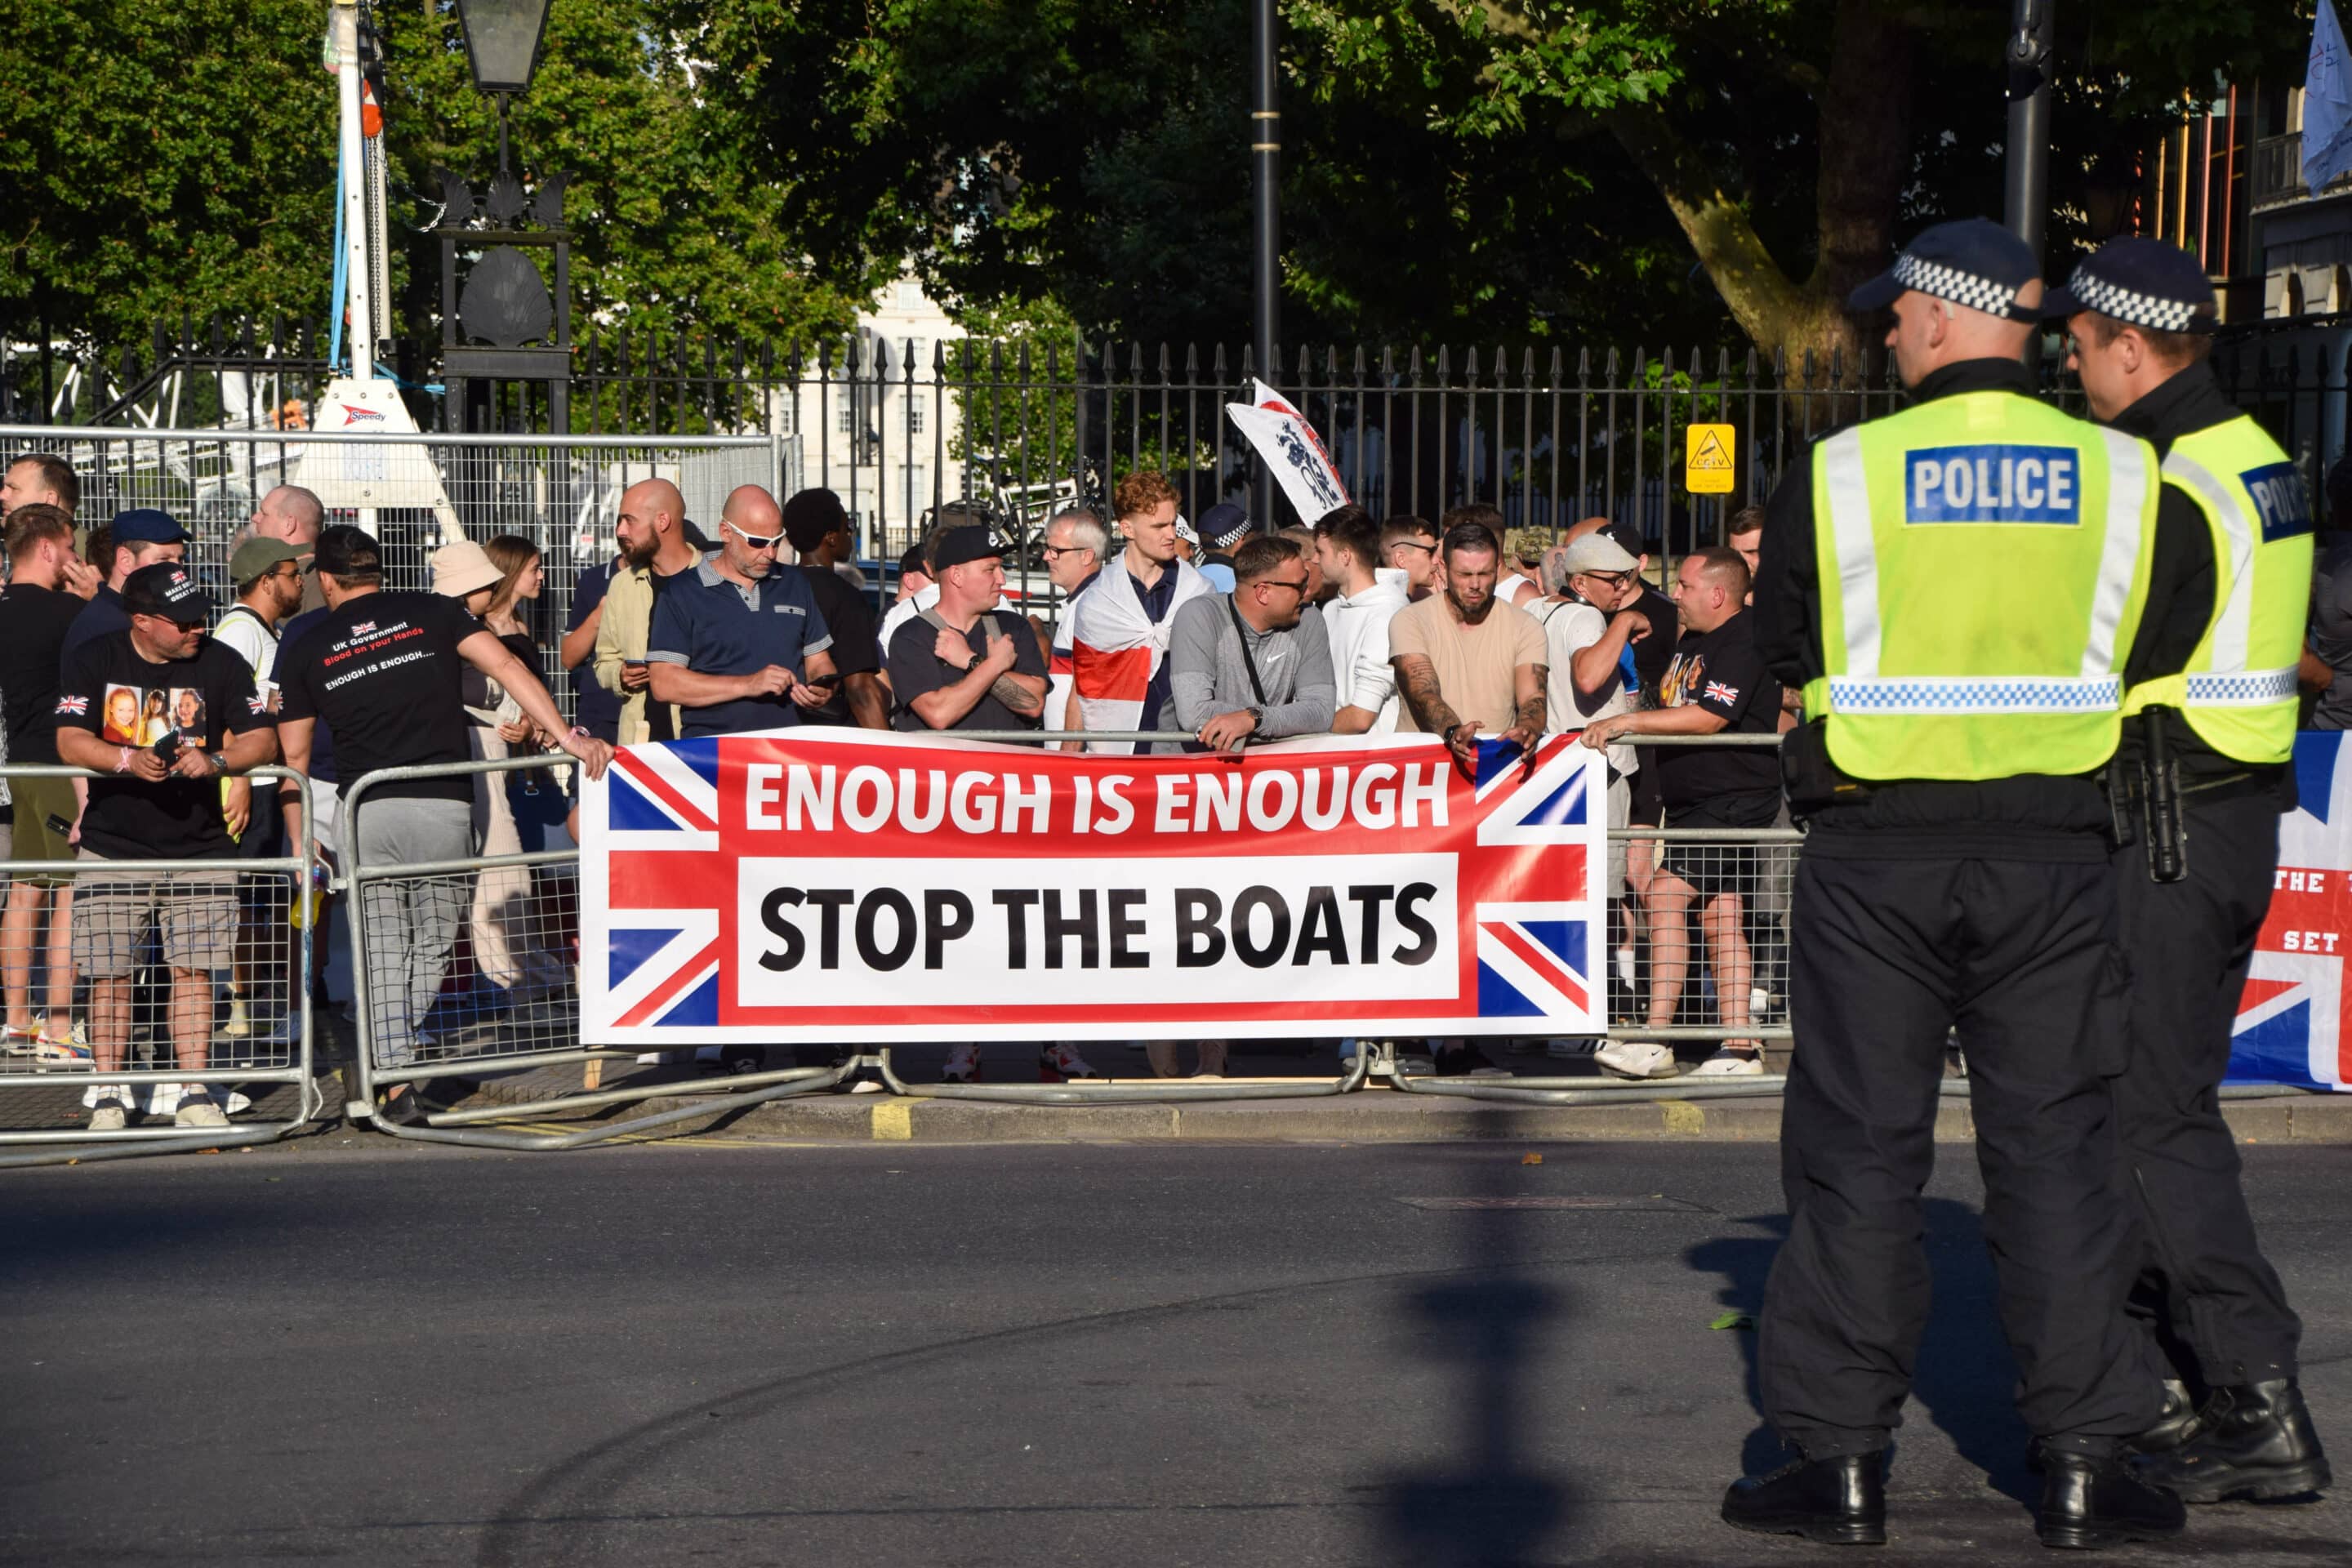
[(1206, 676)]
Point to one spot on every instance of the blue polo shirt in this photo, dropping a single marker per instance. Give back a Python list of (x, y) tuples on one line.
[(713, 626)]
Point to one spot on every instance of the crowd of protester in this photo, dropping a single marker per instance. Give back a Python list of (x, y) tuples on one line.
[(1217, 634)]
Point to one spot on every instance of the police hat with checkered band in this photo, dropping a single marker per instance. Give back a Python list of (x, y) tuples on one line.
[(2142, 283), (1973, 262)]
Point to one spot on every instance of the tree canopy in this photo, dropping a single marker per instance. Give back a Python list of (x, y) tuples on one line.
[(1462, 170)]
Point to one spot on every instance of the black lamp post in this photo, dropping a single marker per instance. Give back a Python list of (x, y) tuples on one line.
[(503, 326), (502, 43)]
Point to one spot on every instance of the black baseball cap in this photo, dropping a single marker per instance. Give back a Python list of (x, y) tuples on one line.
[(1629, 539), (2142, 283), (165, 589), (346, 549), (958, 545), (1973, 262)]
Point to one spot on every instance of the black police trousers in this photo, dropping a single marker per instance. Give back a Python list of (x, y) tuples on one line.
[(2205, 1292), (1886, 956)]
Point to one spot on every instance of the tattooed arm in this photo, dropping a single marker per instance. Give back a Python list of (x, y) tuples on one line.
[(1417, 681), (1528, 711), (1023, 694)]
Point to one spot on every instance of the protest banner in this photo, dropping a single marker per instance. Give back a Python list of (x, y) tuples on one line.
[(846, 885), (2291, 1025)]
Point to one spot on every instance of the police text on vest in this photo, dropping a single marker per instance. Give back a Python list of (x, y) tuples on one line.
[(1995, 482)]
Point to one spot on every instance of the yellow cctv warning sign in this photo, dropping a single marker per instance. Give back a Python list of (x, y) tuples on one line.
[(1708, 466)]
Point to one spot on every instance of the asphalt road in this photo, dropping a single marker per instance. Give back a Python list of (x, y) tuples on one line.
[(695, 1353)]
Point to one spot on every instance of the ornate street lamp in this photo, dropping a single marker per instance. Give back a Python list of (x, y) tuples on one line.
[(502, 42), (502, 325)]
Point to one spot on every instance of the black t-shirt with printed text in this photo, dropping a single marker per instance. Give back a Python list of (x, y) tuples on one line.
[(384, 671), (109, 690), (1722, 672)]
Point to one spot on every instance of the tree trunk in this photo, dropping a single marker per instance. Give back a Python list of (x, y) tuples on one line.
[(1862, 112)]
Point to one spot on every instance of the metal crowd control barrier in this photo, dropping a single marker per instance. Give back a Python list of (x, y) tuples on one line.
[(133, 920), (1757, 864), (517, 914)]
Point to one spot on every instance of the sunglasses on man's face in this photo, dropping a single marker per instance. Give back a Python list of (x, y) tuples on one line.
[(1298, 586), (756, 541)]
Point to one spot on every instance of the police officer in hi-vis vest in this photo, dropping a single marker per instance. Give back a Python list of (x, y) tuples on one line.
[(1955, 587), (2202, 775)]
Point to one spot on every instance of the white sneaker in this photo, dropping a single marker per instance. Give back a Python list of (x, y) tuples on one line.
[(200, 1114), (963, 1065), (1636, 1058), (111, 1116), (1731, 1064), (1059, 1063)]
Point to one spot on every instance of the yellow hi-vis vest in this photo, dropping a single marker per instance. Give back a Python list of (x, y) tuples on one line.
[(2239, 690), (1983, 562)]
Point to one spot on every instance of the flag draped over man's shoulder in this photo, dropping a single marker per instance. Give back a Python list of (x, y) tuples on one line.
[(2327, 104), (1115, 649)]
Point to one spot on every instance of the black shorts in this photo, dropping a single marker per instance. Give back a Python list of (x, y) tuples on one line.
[(1714, 868), (1648, 804)]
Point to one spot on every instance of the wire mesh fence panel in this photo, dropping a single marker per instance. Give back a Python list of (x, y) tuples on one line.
[(1700, 934), (471, 967), (149, 999), (562, 498)]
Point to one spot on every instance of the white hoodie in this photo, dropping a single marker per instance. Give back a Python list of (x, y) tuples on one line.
[(1360, 647)]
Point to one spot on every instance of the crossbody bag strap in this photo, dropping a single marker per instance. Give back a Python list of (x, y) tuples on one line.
[(1257, 689)]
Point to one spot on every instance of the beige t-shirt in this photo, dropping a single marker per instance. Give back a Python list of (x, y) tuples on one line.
[(1475, 665)]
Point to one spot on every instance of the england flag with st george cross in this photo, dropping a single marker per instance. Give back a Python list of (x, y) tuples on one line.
[(826, 885), (2291, 1025)]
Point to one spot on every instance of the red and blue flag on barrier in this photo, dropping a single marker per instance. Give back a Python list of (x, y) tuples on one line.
[(834, 884), (2291, 1025)]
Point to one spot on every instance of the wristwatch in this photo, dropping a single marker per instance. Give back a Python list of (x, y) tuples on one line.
[(1257, 718), (219, 760)]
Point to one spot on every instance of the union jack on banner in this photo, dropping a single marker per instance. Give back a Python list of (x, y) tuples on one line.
[(1486, 925), (2291, 1016)]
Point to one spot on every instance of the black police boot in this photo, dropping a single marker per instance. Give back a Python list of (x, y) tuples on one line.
[(2175, 1426), (2254, 1440), (2101, 1502), (1838, 1503)]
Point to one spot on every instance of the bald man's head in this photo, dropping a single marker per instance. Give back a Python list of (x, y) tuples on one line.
[(292, 514), (651, 514), (751, 510)]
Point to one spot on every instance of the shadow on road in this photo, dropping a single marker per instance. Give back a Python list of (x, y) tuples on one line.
[(1963, 1378), (1491, 1326)]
